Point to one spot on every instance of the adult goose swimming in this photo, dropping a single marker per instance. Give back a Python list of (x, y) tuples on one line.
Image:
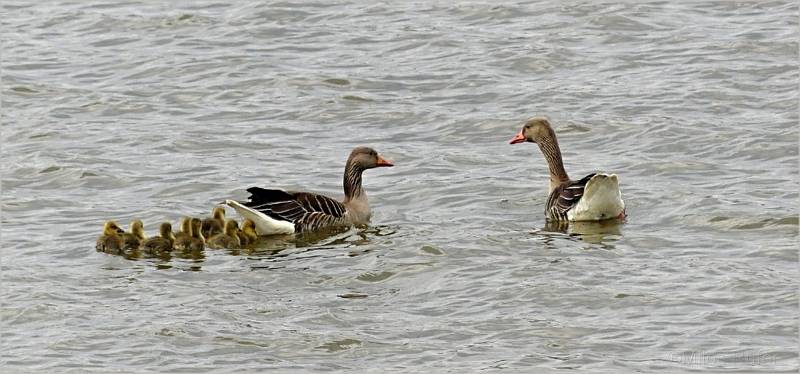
[(277, 211), (592, 198)]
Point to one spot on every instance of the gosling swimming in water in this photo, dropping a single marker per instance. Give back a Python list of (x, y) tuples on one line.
[(161, 243), (228, 239), (183, 239), (134, 238), (247, 235), (198, 241), (110, 240), (215, 224)]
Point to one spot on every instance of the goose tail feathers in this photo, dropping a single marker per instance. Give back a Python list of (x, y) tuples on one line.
[(601, 200), (265, 225)]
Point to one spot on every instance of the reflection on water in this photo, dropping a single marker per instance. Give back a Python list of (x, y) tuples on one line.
[(693, 105), (595, 232)]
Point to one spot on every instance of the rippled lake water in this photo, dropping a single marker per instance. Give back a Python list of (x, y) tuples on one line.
[(142, 109)]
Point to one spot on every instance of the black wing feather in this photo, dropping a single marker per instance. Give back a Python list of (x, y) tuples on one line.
[(308, 211), (265, 195), (564, 197)]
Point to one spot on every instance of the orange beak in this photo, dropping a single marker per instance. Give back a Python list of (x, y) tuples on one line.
[(384, 162), (518, 139)]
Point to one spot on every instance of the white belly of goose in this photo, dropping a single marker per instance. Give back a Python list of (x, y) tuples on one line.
[(601, 200)]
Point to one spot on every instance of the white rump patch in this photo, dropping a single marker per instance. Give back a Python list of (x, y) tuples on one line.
[(265, 225), (601, 200)]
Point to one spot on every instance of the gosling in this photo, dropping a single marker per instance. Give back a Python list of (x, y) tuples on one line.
[(228, 239), (110, 240), (161, 243), (134, 238), (183, 240), (215, 224), (247, 235), (198, 241)]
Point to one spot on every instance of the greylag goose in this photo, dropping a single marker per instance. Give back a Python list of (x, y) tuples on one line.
[(592, 198), (284, 212), (198, 241), (162, 243), (110, 240), (227, 239), (183, 239), (134, 238), (215, 224)]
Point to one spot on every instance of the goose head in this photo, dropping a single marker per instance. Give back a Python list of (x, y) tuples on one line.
[(367, 158), (534, 130)]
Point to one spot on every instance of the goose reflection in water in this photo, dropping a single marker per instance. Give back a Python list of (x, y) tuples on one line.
[(595, 232)]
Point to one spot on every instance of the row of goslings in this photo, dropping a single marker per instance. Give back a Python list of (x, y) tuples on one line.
[(195, 234)]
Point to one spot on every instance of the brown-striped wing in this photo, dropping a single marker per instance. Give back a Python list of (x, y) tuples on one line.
[(564, 197), (308, 211)]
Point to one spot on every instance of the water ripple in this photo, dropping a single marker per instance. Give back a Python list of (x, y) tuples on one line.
[(146, 110)]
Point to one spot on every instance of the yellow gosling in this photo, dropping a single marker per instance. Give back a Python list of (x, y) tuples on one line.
[(228, 239), (110, 240), (183, 239), (198, 241), (161, 243), (134, 238), (249, 231), (215, 224)]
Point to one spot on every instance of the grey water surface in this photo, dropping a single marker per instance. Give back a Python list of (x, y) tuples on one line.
[(156, 110)]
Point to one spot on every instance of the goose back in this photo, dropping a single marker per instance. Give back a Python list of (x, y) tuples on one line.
[(306, 210), (564, 197)]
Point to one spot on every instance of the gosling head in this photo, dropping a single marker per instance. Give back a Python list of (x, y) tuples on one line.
[(197, 225), (231, 227), (218, 213), (111, 228), (248, 225), (137, 228), (166, 231), (186, 226)]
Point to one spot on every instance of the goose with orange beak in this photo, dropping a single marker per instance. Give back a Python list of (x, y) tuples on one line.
[(594, 197), (276, 211)]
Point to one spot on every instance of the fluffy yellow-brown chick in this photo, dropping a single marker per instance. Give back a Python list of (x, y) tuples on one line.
[(110, 240), (227, 239), (162, 243)]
